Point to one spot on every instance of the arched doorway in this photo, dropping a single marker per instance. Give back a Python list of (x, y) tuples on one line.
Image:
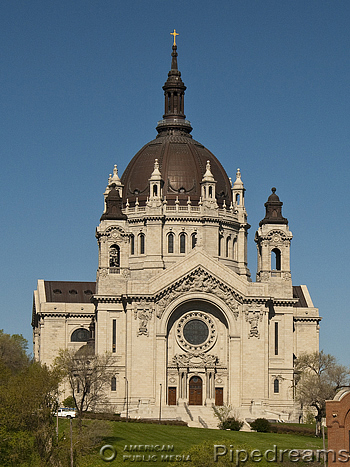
[(195, 391)]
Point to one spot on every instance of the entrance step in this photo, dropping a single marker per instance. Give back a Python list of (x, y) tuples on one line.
[(202, 417)]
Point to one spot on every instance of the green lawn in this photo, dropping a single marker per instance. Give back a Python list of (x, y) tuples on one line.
[(123, 435)]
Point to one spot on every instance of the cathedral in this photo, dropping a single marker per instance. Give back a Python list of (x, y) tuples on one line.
[(174, 301)]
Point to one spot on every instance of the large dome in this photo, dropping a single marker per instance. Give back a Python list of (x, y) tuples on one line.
[(182, 160)]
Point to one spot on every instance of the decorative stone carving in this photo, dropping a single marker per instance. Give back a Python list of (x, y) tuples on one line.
[(263, 276), (102, 272), (113, 234), (287, 276), (126, 273), (253, 318), (194, 359), (143, 312), (198, 281)]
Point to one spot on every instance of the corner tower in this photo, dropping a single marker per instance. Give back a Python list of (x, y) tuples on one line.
[(273, 243)]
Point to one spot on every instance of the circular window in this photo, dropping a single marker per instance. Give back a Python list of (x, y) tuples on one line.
[(196, 331)]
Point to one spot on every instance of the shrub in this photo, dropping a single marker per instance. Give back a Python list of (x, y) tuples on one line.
[(231, 424), (68, 402), (262, 425)]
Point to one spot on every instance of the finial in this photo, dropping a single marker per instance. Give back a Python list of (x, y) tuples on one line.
[(273, 189), (208, 176), (238, 185), (156, 175), (174, 34), (115, 178)]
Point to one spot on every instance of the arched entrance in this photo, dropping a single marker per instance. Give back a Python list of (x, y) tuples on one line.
[(195, 391)]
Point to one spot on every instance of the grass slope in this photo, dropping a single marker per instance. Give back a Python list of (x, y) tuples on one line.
[(123, 435)]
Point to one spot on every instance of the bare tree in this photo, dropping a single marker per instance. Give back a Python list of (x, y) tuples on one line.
[(317, 378), (87, 374)]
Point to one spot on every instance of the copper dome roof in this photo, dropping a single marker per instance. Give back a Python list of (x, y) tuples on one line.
[(182, 160)]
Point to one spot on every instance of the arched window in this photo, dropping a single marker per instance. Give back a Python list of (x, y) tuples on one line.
[(276, 386), (276, 259), (113, 383), (234, 249), (142, 243), (80, 335), (227, 246), (114, 256), (155, 190), (220, 245), (182, 243), (210, 192), (169, 100), (132, 245), (193, 240), (171, 243), (238, 198)]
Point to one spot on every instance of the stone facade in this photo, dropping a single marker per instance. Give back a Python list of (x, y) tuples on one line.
[(174, 301)]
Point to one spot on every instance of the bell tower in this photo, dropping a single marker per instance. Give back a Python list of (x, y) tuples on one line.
[(273, 243)]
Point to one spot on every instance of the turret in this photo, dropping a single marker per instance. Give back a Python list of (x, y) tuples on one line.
[(208, 188), (155, 186), (273, 243)]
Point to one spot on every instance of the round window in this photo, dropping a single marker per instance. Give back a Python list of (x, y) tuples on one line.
[(196, 332)]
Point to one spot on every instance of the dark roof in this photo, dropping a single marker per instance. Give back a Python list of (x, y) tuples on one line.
[(182, 160), (69, 292), (298, 293), (113, 206), (273, 207)]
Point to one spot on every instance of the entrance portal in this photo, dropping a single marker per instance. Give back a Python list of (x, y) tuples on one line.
[(195, 397)]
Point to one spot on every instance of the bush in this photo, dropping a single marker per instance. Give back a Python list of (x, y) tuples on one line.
[(231, 424), (262, 425), (69, 402)]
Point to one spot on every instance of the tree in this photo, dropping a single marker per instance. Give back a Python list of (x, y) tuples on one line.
[(28, 394), (87, 374), (13, 354), (317, 378)]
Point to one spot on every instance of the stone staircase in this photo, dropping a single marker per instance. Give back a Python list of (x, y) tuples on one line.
[(201, 416)]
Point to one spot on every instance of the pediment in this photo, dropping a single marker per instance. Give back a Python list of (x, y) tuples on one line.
[(200, 274), (201, 281), (199, 264)]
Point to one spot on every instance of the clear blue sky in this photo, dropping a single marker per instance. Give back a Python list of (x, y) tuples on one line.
[(268, 91)]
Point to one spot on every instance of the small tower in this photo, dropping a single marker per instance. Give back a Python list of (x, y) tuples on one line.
[(155, 186), (238, 207), (273, 243), (113, 180), (208, 188), (238, 190)]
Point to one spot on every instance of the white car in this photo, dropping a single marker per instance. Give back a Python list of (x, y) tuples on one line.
[(66, 412)]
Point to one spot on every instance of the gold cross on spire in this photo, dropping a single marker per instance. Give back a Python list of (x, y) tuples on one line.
[(174, 34)]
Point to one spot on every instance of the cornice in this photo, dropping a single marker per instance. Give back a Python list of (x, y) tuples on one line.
[(64, 314), (310, 319), (107, 299)]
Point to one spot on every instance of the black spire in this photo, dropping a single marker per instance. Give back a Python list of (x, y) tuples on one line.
[(174, 118), (273, 207)]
